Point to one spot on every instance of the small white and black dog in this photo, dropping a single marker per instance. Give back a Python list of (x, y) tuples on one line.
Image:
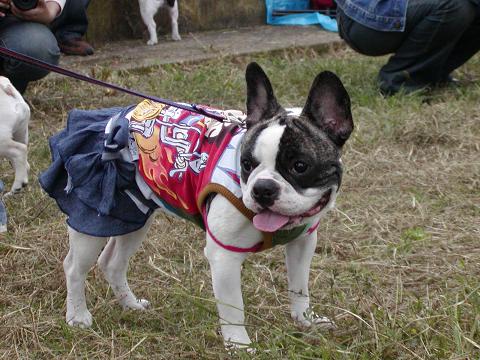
[(284, 169), (15, 115), (148, 9)]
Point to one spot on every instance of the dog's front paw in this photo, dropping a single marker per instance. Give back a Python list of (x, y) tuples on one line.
[(152, 42), (138, 304), (82, 320), (309, 318), (233, 347), (176, 37), (237, 345), (235, 338)]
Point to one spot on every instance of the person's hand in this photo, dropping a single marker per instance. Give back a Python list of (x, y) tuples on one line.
[(44, 13), (4, 7)]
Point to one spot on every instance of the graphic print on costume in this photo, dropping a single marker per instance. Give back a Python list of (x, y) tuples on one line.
[(174, 148)]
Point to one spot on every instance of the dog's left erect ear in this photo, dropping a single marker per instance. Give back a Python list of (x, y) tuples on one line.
[(261, 102), (328, 106)]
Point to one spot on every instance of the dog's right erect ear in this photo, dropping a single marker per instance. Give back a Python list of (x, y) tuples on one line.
[(328, 106), (261, 102)]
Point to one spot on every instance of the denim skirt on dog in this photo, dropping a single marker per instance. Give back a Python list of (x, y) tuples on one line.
[(86, 188)]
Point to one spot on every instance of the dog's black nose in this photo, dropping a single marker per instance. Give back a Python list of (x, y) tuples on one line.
[(265, 192)]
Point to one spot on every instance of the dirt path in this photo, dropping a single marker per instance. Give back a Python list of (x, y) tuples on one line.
[(194, 47)]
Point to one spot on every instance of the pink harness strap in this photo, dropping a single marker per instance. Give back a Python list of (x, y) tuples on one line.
[(313, 228), (254, 248)]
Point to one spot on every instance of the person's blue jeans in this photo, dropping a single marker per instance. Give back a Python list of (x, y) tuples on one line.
[(440, 36), (32, 39)]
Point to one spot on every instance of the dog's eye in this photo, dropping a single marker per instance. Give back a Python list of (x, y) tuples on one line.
[(300, 167), (247, 165)]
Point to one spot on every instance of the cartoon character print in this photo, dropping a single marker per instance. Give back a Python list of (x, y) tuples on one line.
[(175, 146), (178, 134), (142, 124), (153, 159)]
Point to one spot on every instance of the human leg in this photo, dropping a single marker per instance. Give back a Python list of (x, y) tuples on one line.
[(32, 39), (468, 44), (360, 38), (439, 37), (71, 26), (433, 31)]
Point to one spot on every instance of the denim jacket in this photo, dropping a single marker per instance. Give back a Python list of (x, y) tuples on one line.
[(382, 15)]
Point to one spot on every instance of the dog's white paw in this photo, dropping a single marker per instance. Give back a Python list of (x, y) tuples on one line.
[(152, 42), (235, 338), (233, 347), (82, 320), (309, 318), (17, 187), (138, 304), (321, 322), (13, 192), (176, 37)]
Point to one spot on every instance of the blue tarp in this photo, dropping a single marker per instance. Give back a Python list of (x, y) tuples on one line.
[(297, 19)]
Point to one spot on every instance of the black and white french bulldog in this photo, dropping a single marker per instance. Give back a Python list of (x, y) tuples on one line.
[(148, 9), (290, 175)]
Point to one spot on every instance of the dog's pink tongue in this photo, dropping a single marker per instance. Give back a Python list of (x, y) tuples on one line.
[(268, 221)]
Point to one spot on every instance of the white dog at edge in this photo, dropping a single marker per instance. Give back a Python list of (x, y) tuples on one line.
[(15, 115), (148, 9)]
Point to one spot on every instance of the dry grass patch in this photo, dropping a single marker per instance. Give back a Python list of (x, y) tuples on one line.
[(397, 264)]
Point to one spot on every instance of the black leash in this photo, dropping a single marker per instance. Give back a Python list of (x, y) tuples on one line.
[(69, 73)]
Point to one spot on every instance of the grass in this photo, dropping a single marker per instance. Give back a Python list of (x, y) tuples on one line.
[(397, 264)]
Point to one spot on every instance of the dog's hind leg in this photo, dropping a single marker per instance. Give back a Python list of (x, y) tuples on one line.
[(22, 135), (113, 262), (173, 11), (299, 254), (83, 253), (16, 152), (148, 9)]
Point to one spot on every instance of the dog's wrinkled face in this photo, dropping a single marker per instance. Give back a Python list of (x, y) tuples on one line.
[(291, 167)]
